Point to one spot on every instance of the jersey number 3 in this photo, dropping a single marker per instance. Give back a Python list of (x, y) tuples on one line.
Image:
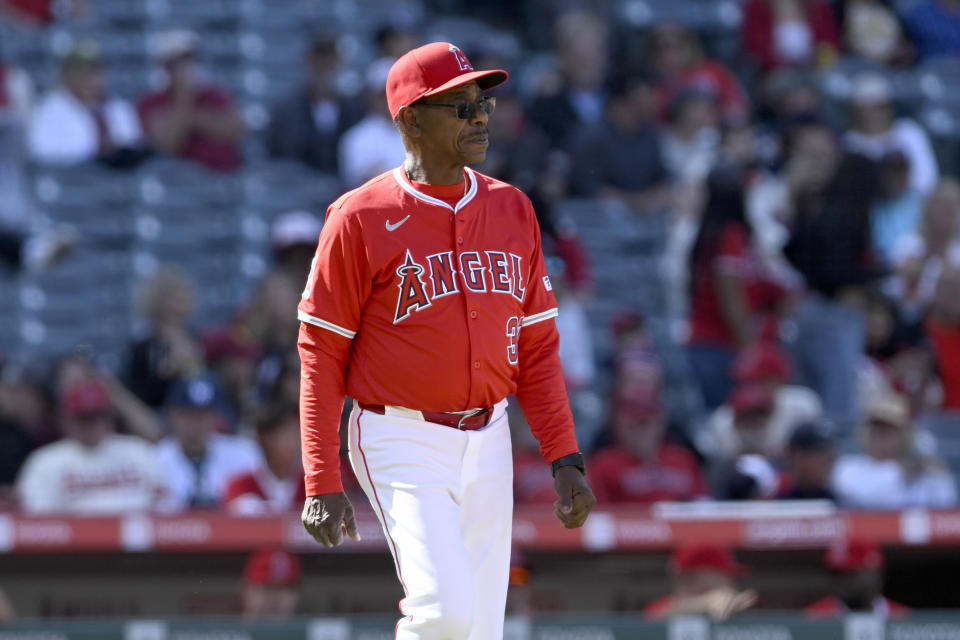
[(513, 335)]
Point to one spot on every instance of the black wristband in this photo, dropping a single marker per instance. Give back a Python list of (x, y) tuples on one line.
[(572, 460)]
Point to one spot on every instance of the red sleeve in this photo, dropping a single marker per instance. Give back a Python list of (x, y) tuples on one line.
[(215, 97), (329, 311), (824, 24), (756, 33), (732, 249), (540, 388)]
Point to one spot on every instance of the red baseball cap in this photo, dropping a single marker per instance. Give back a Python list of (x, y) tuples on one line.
[(854, 555), (752, 397), (272, 567), (696, 558), (761, 362), (431, 69), (86, 397)]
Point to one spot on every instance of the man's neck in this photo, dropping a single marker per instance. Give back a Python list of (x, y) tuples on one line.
[(420, 171)]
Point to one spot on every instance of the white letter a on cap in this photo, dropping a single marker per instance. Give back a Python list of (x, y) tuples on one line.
[(461, 59)]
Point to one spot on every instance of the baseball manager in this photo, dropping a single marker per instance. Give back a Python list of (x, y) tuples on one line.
[(428, 303)]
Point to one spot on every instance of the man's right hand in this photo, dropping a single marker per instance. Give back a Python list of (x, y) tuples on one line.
[(327, 517)]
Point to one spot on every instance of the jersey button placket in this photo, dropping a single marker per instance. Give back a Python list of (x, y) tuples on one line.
[(474, 314)]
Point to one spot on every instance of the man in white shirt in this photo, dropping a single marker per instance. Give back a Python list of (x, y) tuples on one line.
[(196, 461), (768, 365), (92, 470), (373, 145), (277, 485), (876, 131), (76, 122), (891, 473)]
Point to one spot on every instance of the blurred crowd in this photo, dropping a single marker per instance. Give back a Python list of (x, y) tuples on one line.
[(812, 264)]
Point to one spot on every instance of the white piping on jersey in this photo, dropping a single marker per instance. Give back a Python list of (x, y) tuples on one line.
[(401, 177), (540, 317), (323, 324)]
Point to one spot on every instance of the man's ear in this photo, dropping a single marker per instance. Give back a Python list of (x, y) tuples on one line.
[(409, 121)]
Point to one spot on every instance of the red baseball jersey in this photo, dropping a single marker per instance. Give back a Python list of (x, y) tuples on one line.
[(433, 298)]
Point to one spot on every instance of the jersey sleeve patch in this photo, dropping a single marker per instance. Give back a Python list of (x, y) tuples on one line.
[(323, 324), (546, 283), (540, 317)]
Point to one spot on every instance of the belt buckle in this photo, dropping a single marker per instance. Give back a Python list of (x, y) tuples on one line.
[(466, 416)]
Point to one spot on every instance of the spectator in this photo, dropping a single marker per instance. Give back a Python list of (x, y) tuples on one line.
[(575, 98), (308, 124), (576, 341), (691, 140), (809, 464), (896, 213), (18, 417), (641, 467), (232, 355), (373, 145), (276, 486), (778, 33), (196, 460), (856, 569), (293, 241), (169, 351), (620, 157), (943, 327), (271, 585), (748, 472), (518, 150), (704, 582), (829, 198), (635, 361), (934, 27), (921, 256), (733, 302), (190, 118), (77, 122), (891, 473), (767, 365), (872, 31), (92, 470), (876, 131), (678, 59)]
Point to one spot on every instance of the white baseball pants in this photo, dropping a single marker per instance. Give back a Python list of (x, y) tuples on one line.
[(445, 500)]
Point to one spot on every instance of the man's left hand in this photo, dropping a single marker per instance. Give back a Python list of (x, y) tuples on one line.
[(574, 497)]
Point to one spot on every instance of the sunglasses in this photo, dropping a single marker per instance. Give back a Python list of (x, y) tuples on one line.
[(467, 110)]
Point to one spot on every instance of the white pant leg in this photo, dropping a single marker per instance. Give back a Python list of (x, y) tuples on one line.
[(411, 473), (486, 519)]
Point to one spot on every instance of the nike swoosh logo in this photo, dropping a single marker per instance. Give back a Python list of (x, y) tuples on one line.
[(391, 227)]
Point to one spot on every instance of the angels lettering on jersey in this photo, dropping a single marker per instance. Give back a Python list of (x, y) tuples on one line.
[(424, 280)]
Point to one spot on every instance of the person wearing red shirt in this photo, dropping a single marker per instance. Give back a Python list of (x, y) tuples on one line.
[(189, 119), (679, 60), (733, 301), (857, 569), (429, 303), (277, 485), (943, 327), (641, 468), (704, 582), (778, 33), (271, 585)]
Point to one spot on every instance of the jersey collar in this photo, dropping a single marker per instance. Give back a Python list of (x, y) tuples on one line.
[(401, 177)]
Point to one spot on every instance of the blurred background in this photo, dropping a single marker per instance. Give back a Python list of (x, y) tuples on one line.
[(751, 212)]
